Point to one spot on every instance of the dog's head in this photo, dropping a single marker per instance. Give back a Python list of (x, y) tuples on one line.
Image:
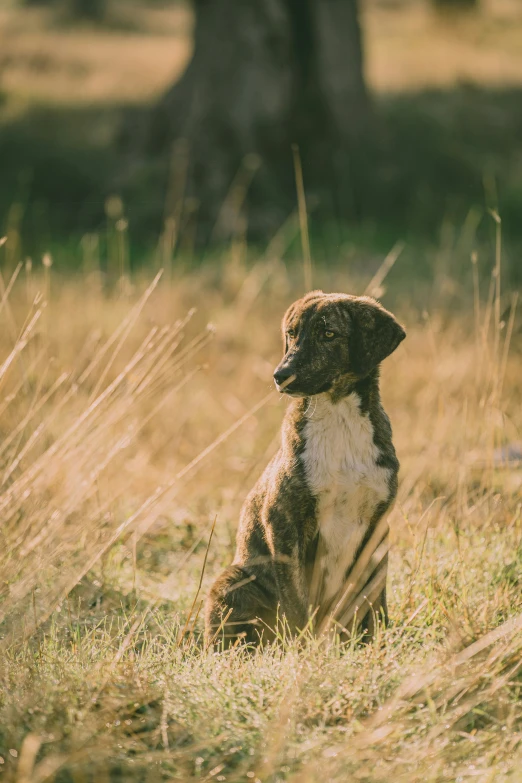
[(332, 341)]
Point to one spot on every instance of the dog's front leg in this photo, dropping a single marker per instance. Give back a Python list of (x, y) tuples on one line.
[(289, 575)]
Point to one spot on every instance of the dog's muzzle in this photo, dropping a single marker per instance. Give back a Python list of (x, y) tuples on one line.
[(284, 378)]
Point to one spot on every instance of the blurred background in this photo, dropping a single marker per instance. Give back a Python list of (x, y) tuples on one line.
[(182, 125)]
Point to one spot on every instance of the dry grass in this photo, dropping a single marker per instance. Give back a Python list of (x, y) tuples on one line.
[(108, 494)]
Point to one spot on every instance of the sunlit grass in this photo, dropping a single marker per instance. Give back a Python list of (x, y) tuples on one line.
[(128, 427)]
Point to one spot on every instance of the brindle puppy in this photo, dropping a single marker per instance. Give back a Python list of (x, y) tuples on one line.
[(332, 480)]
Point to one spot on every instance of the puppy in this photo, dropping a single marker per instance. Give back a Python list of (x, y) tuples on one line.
[(317, 504)]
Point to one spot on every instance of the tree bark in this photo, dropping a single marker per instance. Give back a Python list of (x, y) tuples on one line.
[(93, 10), (267, 74)]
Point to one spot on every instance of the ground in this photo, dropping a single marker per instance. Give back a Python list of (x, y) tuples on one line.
[(121, 449)]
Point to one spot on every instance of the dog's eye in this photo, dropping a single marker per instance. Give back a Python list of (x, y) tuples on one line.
[(329, 335), (290, 333)]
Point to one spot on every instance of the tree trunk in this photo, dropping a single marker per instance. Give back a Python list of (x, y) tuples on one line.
[(267, 74), (93, 10)]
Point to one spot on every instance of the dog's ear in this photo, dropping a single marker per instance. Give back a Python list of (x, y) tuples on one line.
[(376, 333)]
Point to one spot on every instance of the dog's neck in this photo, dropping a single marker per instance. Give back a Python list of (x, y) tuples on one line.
[(366, 389), (364, 392)]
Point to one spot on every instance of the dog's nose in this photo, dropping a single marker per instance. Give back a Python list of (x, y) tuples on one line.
[(280, 376)]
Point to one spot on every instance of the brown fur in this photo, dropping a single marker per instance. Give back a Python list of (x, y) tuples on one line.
[(334, 344)]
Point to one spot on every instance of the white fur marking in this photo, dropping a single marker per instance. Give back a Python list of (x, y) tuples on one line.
[(340, 464)]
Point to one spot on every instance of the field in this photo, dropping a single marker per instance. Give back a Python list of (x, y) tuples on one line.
[(137, 409), (130, 431)]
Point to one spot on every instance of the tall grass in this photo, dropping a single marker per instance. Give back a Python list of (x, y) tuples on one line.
[(130, 431)]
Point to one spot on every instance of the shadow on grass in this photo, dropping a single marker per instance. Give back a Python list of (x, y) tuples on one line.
[(440, 153)]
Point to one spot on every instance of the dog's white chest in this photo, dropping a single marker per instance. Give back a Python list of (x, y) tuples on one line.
[(340, 460)]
